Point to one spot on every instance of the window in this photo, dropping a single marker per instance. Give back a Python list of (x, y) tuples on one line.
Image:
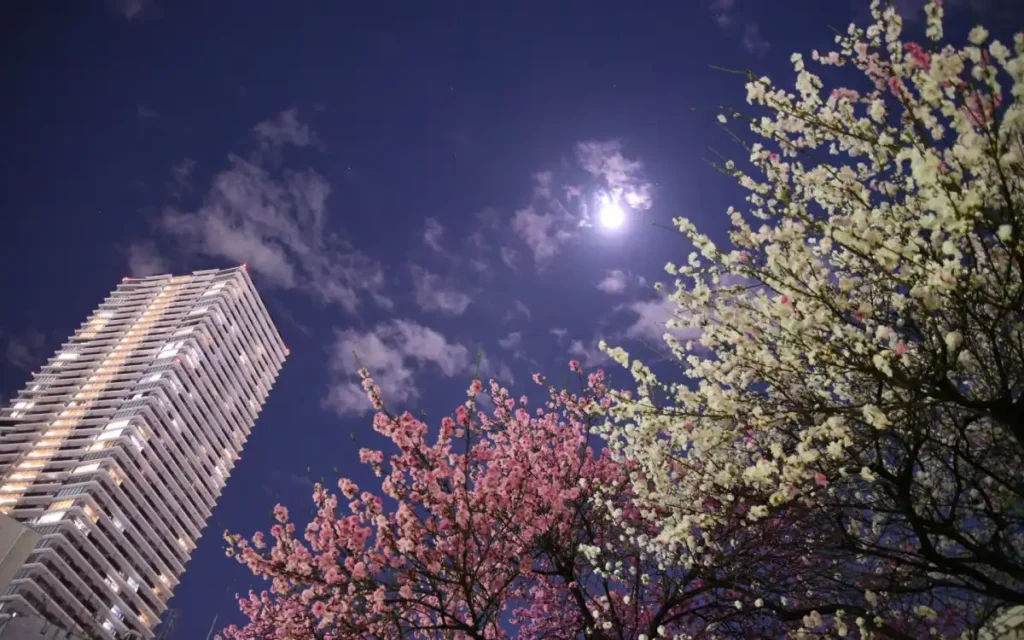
[(112, 584), (117, 612), (198, 310), (61, 504), (86, 468), (117, 524), (21, 407), (68, 356), (14, 486), (152, 378), (50, 517), (109, 434), (134, 586)]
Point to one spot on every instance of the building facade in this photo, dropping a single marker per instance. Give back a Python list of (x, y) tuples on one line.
[(116, 451)]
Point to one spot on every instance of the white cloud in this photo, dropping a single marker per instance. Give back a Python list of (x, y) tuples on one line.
[(557, 212), (25, 351), (508, 256), (434, 294), (651, 317), (624, 178), (511, 341), (432, 234), (559, 333), (180, 175), (393, 352), (284, 129), (497, 370), (588, 355), (275, 223), (544, 233), (722, 11), (614, 282), (752, 40), (523, 309), (132, 9), (145, 260)]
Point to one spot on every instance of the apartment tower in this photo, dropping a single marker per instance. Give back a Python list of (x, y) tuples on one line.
[(116, 451)]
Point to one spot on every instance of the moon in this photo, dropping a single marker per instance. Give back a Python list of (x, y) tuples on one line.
[(611, 214)]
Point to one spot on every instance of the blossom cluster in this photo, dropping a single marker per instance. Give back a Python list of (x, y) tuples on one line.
[(860, 360)]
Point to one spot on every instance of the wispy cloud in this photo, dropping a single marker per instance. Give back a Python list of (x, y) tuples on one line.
[(132, 9), (434, 293), (522, 308), (544, 233), (285, 129), (588, 354), (275, 222), (511, 341), (559, 333), (496, 369), (25, 351), (651, 317), (614, 282), (509, 257), (394, 352), (752, 40), (623, 178), (732, 23), (432, 234), (181, 174), (145, 260), (558, 210), (721, 11)]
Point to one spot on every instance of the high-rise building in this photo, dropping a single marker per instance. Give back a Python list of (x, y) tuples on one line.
[(116, 451)]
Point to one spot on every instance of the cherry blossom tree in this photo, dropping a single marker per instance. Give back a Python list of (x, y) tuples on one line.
[(860, 362), (508, 524)]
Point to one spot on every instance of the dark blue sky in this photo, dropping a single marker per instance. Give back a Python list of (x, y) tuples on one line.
[(404, 179)]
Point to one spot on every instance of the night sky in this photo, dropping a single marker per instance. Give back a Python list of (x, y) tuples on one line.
[(417, 182)]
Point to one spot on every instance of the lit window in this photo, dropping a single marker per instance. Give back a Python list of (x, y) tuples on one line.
[(50, 517), (198, 310), (61, 504), (109, 434), (68, 356), (99, 446), (81, 526), (112, 584), (109, 626), (117, 424), (86, 468), (134, 586), (14, 486), (152, 378), (117, 524), (117, 612)]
